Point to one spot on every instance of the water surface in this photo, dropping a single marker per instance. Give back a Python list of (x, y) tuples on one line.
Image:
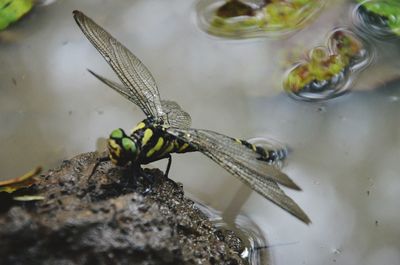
[(345, 151)]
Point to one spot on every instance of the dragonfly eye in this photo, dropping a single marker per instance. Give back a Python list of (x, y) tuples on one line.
[(122, 148)]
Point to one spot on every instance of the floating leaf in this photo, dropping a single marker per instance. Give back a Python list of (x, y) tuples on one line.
[(328, 71), (236, 19), (12, 10), (235, 8), (378, 18), (17, 183)]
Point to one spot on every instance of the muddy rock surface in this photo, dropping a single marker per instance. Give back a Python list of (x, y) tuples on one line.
[(112, 216)]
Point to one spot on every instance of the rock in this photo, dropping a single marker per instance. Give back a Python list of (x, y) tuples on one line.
[(112, 216)]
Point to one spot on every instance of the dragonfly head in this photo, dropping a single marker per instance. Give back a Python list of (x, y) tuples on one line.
[(123, 149)]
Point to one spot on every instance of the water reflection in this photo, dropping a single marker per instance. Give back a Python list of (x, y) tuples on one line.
[(251, 244)]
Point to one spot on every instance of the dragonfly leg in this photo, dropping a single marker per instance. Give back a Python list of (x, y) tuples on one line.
[(148, 179), (168, 165), (98, 162), (167, 172)]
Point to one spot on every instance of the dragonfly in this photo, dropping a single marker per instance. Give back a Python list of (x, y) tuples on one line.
[(167, 127)]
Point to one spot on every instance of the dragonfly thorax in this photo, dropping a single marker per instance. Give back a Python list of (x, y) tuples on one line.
[(147, 142)]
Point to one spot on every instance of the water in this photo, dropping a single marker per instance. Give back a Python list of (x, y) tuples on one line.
[(254, 18), (250, 244), (386, 26), (277, 151), (329, 71), (342, 152)]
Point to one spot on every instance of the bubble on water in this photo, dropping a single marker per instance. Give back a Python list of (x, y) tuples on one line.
[(250, 242), (276, 150), (316, 182), (378, 18), (321, 109), (328, 71), (337, 251), (255, 18)]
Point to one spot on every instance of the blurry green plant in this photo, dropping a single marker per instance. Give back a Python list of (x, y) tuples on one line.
[(326, 69), (12, 10), (389, 10), (236, 18), (320, 67)]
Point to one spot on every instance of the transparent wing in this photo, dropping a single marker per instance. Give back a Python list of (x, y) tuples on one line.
[(140, 86), (177, 117), (243, 163), (124, 91)]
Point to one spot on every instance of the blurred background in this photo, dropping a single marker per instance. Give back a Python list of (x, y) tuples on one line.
[(345, 151)]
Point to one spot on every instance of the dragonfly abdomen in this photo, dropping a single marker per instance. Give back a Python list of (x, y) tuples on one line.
[(271, 156)]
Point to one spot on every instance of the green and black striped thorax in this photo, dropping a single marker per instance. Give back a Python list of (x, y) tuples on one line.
[(147, 142)]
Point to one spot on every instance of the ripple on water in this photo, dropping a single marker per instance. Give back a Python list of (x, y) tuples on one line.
[(248, 19), (379, 19), (276, 150), (329, 71), (251, 244)]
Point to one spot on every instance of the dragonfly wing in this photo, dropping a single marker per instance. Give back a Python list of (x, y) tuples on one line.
[(123, 90), (243, 163), (176, 116), (136, 78), (235, 152)]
